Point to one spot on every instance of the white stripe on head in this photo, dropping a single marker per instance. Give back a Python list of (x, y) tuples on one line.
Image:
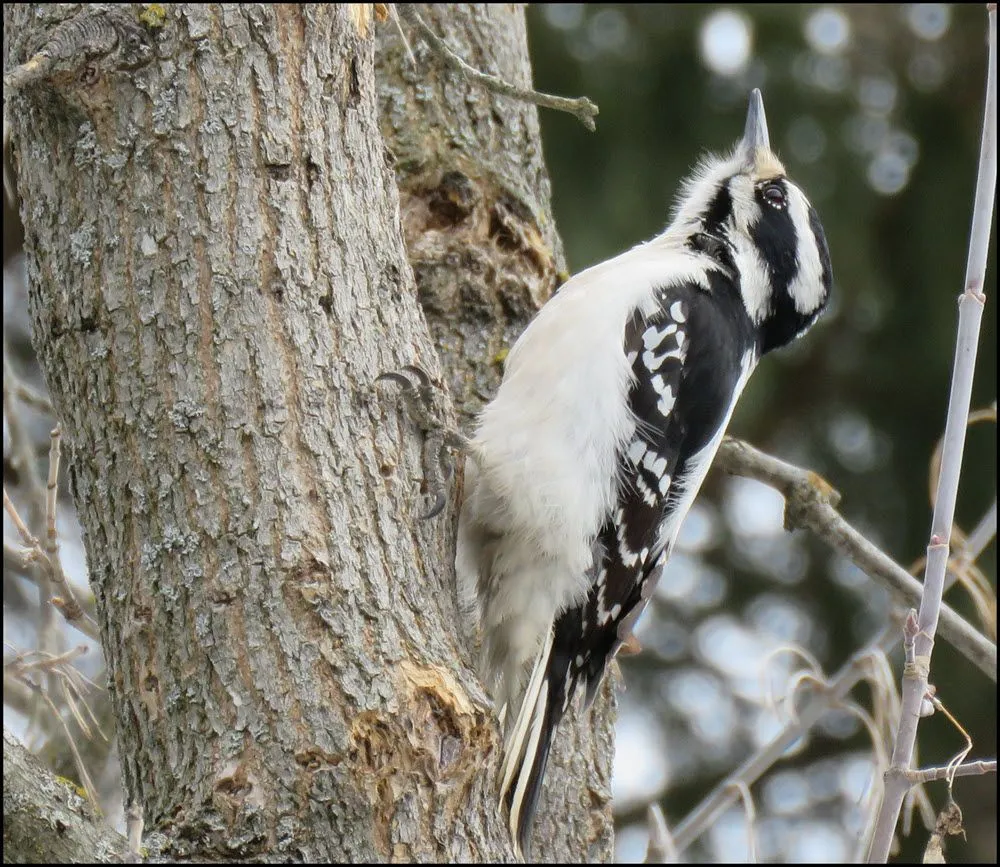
[(807, 289), (755, 278)]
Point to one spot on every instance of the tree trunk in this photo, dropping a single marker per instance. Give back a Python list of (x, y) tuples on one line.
[(218, 275), (477, 219)]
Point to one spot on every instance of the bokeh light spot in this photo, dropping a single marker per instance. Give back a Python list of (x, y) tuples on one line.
[(929, 21), (828, 30), (726, 41), (641, 769), (608, 30), (888, 173), (877, 93), (853, 441), (564, 16)]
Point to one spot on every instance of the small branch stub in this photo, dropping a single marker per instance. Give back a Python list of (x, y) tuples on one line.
[(581, 108), (90, 35)]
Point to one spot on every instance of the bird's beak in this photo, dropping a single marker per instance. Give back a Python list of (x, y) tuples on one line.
[(755, 135)]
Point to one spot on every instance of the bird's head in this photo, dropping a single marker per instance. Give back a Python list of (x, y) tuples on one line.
[(743, 211)]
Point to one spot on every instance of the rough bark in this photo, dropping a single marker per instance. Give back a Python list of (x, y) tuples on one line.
[(474, 193), (217, 276), (45, 820), (477, 219)]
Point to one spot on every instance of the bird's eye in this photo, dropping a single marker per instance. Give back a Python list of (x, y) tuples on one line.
[(774, 195)]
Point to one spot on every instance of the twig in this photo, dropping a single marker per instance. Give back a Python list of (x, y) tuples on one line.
[(20, 665), (975, 583), (134, 826), (22, 457), (813, 673), (581, 108), (931, 775), (810, 504), (71, 705), (750, 812), (984, 532), (29, 397), (661, 849), (21, 450), (52, 573), (724, 795), (970, 314), (17, 695), (394, 11), (67, 605), (959, 757), (16, 559), (81, 768), (817, 705), (34, 69), (32, 669), (52, 495), (29, 540)]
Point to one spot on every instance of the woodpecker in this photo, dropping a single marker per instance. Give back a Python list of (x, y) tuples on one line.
[(613, 404)]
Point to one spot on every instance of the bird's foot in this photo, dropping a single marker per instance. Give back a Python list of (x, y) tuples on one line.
[(425, 403)]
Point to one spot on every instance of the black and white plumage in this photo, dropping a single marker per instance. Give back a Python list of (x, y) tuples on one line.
[(613, 405)]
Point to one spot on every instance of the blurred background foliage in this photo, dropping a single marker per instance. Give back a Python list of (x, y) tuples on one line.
[(876, 112)]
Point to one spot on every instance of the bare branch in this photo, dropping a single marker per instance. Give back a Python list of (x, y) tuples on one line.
[(983, 534), (750, 812), (931, 775), (661, 848), (959, 757), (29, 540), (970, 314), (23, 668), (81, 767), (90, 35), (976, 583), (22, 453), (34, 69), (581, 108), (17, 696), (50, 572), (52, 495), (20, 664), (29, 397), (818, 703), (22, 457), (810, 503), (36, 801), (16, 559), (67, 604)]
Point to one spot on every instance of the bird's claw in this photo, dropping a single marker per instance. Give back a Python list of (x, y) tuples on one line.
[(398, 378), (427, 409), (437, 508)]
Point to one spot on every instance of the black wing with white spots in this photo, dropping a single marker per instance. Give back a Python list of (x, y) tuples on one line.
[(626, 551), (686, 362), (684, 352)]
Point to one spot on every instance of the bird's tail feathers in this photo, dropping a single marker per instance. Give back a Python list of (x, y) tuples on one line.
[(527, 741)]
